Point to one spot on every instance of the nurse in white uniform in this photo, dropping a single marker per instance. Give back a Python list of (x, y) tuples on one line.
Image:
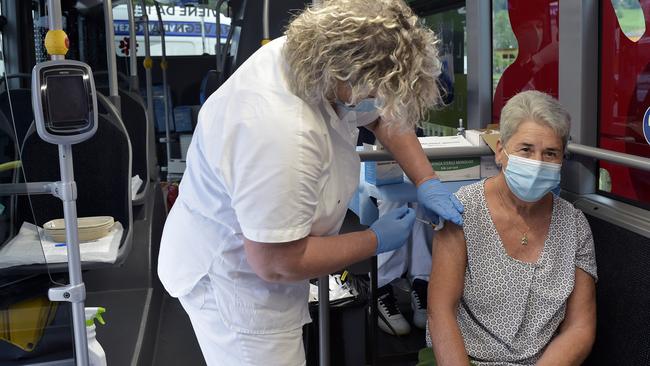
[(272, 166)]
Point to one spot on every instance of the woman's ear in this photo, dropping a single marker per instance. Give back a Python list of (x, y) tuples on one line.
[(499, 154)]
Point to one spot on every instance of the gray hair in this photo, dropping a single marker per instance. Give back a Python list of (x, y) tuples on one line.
[(377, 46), (538, 107)]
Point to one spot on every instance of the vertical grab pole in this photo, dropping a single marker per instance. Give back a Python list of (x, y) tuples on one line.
[(217, 47), (324, 321), (163, 66), (77, 292), (148, 64), (134, 83), (266, 33), (111, 62), (74, 255)]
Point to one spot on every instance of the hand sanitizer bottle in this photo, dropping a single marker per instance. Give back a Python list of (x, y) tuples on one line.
[(96, 354)]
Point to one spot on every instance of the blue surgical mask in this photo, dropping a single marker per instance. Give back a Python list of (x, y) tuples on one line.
[(529, 179), (357, 119), (363, 106)]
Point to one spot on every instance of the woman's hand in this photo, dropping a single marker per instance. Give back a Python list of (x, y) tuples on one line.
[(393, 228), (407, 150), (439, 202)]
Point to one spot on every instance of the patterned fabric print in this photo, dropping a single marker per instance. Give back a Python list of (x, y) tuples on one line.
[(510, 309)]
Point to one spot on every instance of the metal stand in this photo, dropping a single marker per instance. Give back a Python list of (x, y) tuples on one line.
[(75, 292), (66, 190), (324, 320)]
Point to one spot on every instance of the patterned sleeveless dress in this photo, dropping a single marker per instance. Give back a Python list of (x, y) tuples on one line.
[(510, 310)]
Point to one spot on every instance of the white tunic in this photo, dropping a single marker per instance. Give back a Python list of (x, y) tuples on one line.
[(264, 165)]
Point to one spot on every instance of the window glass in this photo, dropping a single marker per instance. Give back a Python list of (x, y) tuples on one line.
[(189, 30), (449, 27), (625, 96), (525, 36)]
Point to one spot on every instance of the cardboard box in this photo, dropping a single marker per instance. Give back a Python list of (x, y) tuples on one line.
[(453, 169), (485, 137), (489, 167), (491, 140), (431, 142), (382, 172), (475, 137), (450, 170)]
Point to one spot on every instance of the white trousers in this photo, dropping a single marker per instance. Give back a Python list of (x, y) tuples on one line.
[(414, 256), (222, 346)]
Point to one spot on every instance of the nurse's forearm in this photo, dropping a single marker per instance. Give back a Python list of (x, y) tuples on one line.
[(309, 257), (408, 152)]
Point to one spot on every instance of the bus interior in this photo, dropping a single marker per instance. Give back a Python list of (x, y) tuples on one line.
[(154, 64)]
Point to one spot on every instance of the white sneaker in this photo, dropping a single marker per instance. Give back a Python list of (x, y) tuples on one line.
[(419, 302), (390, 319)]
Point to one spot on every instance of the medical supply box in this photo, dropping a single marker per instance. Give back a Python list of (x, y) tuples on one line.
[(382, 172), (483, 137), (452, 169)]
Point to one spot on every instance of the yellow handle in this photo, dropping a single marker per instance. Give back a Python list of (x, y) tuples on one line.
[(56, 42), (147, 63)]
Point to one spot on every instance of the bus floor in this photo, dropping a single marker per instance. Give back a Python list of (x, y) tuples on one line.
[(176, 343)]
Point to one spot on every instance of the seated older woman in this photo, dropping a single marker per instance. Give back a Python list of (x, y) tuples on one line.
[(515, 285)]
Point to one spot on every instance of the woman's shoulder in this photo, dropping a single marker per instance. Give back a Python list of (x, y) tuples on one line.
[(567, 212), (471, 193)]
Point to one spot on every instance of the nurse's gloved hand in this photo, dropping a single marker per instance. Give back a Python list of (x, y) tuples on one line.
[(438, 202), (393, 228)]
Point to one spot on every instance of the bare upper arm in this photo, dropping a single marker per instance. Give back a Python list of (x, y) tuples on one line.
[(449, 259), (271, 261), (581, 305)]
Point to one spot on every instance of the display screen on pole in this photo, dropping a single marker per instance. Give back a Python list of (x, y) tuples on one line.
[(67, 101), (64, 101)]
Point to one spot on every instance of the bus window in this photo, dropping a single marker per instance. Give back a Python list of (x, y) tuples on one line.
[(189, 31), (625, 96), (450, 28), (525, 39)]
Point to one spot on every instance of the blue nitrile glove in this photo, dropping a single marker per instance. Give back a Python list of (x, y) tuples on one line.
[(439, 202), (393, 228)]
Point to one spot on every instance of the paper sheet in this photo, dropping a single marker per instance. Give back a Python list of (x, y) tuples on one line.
[(26, 248)]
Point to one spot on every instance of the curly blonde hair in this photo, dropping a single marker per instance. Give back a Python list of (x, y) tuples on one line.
[(378, 46)]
